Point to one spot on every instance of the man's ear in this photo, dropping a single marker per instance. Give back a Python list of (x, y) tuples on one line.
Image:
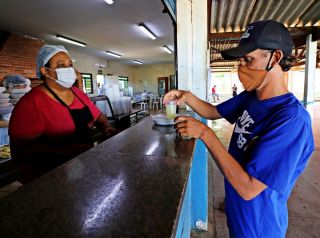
[(278, 55)]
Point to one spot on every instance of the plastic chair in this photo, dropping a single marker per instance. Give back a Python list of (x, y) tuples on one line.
[(155, 104), (142, 105)]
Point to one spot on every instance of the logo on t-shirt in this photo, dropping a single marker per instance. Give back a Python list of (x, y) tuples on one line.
[(242, 124)]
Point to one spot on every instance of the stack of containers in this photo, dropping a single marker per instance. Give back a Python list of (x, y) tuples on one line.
[(120, 104)]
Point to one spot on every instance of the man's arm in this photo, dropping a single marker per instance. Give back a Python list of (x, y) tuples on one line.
[(201, 107), (246, 186)]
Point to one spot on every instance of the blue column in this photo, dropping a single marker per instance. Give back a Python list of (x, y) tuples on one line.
[(194, 211)]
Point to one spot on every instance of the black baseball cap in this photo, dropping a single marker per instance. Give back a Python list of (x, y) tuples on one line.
[(267, 34)]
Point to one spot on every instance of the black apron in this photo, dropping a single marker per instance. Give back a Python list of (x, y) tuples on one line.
[(81, 118)]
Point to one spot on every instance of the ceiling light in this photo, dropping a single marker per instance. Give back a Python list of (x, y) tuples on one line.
[(147, 31), (137, 61), (113, 54), (100, 65), (75, 42), (167, 49), (109, 1)]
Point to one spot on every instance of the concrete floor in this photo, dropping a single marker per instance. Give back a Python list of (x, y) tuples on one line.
[(304, 202)]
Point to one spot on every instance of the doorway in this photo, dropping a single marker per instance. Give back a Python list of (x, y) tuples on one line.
[(162, 85)]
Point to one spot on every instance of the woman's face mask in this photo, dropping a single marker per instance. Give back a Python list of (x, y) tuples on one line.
[(65, 76), (251, 79)]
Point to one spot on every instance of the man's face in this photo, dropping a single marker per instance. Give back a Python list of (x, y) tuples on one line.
[(257, 59)]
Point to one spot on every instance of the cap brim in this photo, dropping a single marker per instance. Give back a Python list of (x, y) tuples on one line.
[(237, 52)]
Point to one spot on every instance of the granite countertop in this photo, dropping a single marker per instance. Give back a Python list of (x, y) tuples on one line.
[(129, 186)]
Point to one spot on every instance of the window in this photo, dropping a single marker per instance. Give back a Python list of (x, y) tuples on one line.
[(124, 81), (88, 84)]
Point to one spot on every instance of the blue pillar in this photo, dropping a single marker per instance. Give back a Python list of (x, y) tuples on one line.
[(194, 211)]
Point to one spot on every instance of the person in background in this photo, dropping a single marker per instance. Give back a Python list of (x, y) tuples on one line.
[(16, 81), (272, 139), (100, 89), (234, 90), (52, 123), (214, 93), (144, 95)]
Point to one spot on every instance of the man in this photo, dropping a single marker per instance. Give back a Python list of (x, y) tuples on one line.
[(234, 90), (272, 139), (214, 93)]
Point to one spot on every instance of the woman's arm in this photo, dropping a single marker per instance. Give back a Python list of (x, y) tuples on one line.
[(104, 125)]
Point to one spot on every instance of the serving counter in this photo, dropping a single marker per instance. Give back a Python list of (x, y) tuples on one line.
[(132, 185)]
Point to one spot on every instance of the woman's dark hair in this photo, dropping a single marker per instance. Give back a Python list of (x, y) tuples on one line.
[(47, 65), (287, 62)]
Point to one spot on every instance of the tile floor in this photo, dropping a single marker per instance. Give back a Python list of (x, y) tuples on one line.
[(304, 203)]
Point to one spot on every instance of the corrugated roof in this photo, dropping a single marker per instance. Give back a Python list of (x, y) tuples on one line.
[(229, 18)]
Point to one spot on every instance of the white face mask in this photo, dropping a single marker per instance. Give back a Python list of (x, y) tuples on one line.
[(65, 76)]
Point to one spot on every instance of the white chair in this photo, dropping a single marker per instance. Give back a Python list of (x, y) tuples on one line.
[(155, 104), (161, 102), (142, 105)]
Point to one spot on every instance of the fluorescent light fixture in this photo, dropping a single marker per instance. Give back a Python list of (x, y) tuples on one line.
[(69, 40), (113, 54), (109, 1), (167, 49), (100, 65), (147, 31), (137, 61)]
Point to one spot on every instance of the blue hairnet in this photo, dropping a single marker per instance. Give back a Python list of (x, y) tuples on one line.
[(45, 53), (15, 79)]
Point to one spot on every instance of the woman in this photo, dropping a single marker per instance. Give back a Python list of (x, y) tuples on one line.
[(51, 124)]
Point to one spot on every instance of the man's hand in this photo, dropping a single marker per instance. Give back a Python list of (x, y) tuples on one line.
[(179, 95), (190, 127)]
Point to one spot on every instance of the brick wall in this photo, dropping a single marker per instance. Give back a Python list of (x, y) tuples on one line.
[(18, 56)]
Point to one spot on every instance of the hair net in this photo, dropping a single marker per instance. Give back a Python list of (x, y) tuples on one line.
[(46, 53), (15, 79)]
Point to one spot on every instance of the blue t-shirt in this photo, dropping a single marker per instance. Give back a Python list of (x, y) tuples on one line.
[(272, 140)]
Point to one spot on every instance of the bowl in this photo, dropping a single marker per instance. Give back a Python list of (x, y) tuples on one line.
[(162, 120)]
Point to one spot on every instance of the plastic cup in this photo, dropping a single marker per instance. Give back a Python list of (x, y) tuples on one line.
[(171, 108)]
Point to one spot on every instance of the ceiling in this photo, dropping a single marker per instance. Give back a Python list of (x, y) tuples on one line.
[(228, 20), (101, 26)]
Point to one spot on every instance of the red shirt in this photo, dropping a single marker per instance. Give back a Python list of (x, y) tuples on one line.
[(213, 90), (38, 114)]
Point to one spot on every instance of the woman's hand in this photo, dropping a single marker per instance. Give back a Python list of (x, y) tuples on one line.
[(110, 131), (179, 95), (189, 127)]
